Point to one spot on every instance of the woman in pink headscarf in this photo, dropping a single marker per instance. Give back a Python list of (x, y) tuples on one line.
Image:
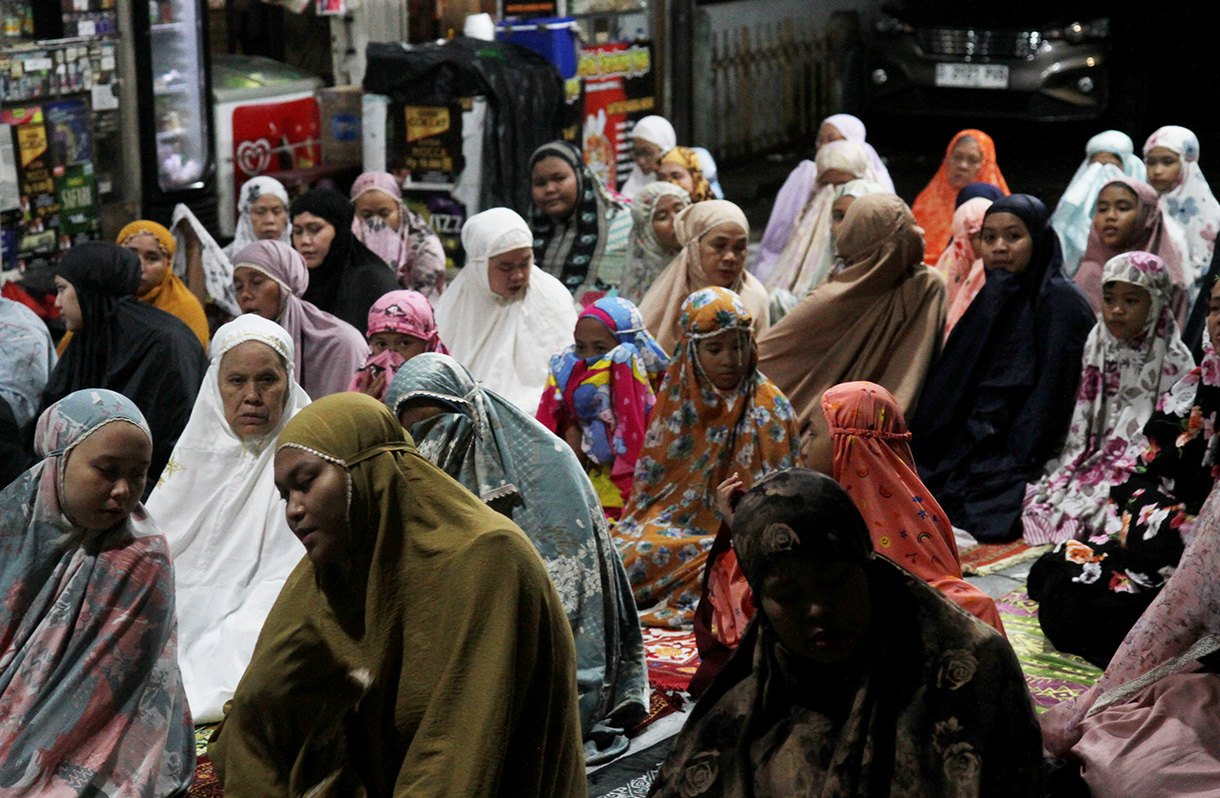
[(961, 264), (400, 237), (401, 326), (1127, 217), (270, 278)]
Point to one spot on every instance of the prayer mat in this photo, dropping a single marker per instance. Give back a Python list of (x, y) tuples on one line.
[(206, 784), (661, 702), (673, 657), (990, 558), (630, 776), (1052, 676)]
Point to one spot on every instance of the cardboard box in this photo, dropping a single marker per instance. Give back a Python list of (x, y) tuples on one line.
[(341, 113)]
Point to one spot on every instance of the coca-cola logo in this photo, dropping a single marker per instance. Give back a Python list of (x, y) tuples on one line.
[(253, 157)]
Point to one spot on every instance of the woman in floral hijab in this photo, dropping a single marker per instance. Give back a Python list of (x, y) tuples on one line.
[(1171, 155), (703, 428), (1093, 591), (898, 693), (91, 695)]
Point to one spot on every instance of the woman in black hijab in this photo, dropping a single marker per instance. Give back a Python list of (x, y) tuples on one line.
[(122, 344), (997, 404), (854, 677), (345, 276)]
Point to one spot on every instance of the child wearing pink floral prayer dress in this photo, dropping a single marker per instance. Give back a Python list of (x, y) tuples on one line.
[(1130, 359), (1092, 591)]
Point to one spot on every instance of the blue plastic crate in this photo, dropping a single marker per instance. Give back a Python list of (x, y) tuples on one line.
[(556, 38)]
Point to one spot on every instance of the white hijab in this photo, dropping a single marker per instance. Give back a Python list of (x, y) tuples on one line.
[(505, 343), (251, 190), (655, 130), (1190, 203), (218, 507)]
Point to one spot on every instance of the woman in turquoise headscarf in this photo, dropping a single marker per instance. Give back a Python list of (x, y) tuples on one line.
[(599, 393), (1108, 155), (526, 473), (91, 698)]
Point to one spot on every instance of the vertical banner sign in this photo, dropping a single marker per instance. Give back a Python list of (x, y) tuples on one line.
[(35, 180), (71, 144), (618, 89)]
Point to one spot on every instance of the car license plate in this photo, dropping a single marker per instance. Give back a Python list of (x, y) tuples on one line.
[(972, 76)]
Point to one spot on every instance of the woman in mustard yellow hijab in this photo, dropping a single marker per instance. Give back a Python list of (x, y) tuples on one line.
[(419, 648), (159, 286)]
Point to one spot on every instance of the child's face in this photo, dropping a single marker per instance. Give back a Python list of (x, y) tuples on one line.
[(1124, 309), (1164, 168), (725, 358), (1115, 215), (406, 345), (593, 339)]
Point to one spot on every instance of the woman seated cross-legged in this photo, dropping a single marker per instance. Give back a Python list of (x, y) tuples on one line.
[(418, 649)]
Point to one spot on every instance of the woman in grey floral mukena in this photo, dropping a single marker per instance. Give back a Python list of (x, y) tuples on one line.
[(855, 678)]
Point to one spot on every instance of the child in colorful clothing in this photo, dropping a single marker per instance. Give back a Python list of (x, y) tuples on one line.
[(716, 414), (599, 393)]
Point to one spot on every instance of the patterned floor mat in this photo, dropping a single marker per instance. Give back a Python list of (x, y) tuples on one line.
[(990, 558), (1052, 676), (673, 657)]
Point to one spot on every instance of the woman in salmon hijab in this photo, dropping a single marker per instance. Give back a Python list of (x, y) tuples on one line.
[(969, 158), (961, 264), (874, 464)]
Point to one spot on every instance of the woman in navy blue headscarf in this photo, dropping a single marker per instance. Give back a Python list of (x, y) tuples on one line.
[(998, 402)]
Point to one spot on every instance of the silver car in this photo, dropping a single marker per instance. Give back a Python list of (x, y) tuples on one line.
[(954, 58)]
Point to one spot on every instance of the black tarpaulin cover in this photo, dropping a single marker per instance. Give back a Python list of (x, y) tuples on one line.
[(524, 91)]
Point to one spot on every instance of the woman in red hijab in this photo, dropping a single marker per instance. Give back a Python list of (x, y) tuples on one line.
[(969, 158)]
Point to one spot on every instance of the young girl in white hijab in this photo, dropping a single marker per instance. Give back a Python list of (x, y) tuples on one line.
[(1171, 156)]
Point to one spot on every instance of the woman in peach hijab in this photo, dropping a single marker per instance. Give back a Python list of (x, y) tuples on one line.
[(969, 158), (873, 463), (961, 264), (714, 235)]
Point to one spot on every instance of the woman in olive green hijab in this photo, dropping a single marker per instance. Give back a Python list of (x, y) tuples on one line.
[(419, 649)]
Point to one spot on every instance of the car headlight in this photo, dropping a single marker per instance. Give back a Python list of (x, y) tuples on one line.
[(1081, 31), (888, 23)]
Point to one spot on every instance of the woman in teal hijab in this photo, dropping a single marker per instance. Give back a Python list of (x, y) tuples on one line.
[(522, 470), (1108, 155)]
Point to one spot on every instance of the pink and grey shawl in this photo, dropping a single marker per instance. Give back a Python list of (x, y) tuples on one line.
[(414, 250), (91, 698)]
